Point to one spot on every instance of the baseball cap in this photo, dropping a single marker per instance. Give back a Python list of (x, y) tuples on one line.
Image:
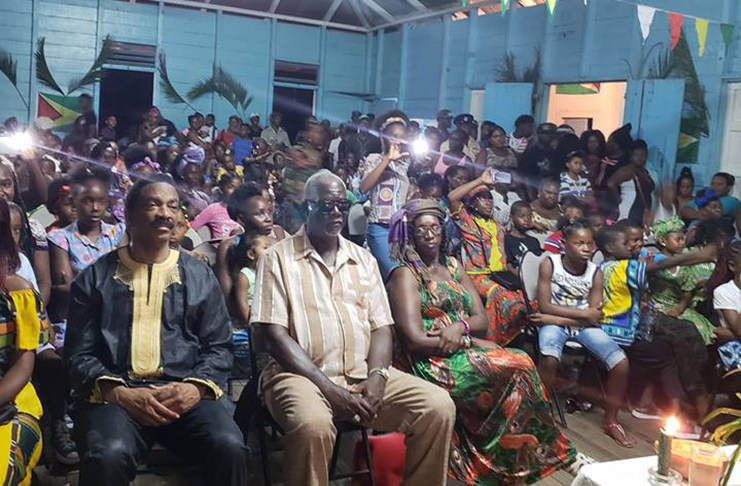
[(463, 119)]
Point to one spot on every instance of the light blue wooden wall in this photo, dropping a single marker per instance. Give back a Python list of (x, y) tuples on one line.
[(596, 42), (192, 40)]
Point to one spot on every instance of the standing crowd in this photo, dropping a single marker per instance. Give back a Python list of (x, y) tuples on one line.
[(375, 265)]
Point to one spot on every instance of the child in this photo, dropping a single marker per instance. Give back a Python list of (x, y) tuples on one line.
[(215, 215), (727, 303), (634, 237), (229, 167), (572, 210), (670, 290), (243, 259), (652, 357), (573, 182), (431, 187), (570, 300), (59, 203), (516, 242)]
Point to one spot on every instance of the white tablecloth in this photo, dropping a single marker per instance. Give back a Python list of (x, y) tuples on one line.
[(632, 472)]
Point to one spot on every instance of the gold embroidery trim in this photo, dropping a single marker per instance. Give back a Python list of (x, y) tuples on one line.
[(146, 322), (97, 395), (208, 384)]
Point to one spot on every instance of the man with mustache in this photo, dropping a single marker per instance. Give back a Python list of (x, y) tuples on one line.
[(148, 350), (322, 313)]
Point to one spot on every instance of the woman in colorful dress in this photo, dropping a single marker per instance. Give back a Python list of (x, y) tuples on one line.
[(505, 433), (22, 331), (484, 259)]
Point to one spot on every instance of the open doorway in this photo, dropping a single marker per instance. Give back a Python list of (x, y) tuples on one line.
[(587, 106), (296, 105), (127, 95)]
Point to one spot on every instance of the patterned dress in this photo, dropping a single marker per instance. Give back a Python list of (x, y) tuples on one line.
[(483, 254), (504, 432), (22, 327)]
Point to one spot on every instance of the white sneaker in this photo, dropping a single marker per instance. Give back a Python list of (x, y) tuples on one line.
[(580, 461)]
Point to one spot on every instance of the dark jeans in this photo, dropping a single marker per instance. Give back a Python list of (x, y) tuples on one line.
[(111, 444), (50, 381)]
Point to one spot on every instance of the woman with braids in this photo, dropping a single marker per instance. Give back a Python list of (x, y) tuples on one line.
[(505, 432), (387, 184), (23, 330), (485, 259)]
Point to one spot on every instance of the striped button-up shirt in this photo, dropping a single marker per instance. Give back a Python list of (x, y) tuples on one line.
[(330, 312)]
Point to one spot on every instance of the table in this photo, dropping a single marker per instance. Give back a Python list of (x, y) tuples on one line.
[(632, 472)]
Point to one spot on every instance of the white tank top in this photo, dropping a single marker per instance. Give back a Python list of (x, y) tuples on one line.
[(570, 290)]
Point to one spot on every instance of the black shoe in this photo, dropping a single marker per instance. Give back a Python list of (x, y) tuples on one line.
[(65, 449)]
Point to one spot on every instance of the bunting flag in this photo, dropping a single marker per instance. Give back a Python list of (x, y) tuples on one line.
[(701, 26), (505, 6), (645, 18), (675, 28), (726, 30), (551, 4)]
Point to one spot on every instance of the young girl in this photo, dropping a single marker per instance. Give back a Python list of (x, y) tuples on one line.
[(573, 182), (243, 260), (59, 203), (570, 300), (215, 215), (572, 210)]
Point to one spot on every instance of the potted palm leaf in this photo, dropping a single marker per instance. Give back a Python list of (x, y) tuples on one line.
[(723, 433)]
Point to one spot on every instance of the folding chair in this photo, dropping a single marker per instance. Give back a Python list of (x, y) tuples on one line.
[(529, 271), (261, 417), (598, 257)]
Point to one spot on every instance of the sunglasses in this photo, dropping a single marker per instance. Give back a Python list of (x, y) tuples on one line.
[(326, 207)]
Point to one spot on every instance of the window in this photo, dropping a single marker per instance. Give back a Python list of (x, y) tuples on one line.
[(291, 72)]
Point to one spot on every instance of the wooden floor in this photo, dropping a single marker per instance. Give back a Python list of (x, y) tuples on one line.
[(583, 430)]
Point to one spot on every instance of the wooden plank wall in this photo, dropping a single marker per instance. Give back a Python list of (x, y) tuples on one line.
[(192, 40)]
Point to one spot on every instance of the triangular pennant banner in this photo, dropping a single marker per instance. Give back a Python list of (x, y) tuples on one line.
[(505, 6), (675, 28), (645, 18), (551, 4), (701, 25), (726, 30)]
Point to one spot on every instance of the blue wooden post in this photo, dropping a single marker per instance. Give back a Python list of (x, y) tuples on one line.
[(379, 63), (444, 65), (586, 44), (271, 66), (470, 59), (160, 22), (33, 105), (404, 64), (322, 73), (367, 82)]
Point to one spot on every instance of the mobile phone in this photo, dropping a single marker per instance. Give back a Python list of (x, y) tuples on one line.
[(501, 177)]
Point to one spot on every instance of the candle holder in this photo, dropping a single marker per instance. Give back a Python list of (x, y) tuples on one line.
[(672, 478)]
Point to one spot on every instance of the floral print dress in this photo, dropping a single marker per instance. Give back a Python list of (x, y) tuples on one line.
[(504, 433)]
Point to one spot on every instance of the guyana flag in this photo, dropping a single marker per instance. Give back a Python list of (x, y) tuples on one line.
[(578, 89), (62, 110)]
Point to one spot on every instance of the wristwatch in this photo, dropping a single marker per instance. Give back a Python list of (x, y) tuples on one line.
[(382, 372)]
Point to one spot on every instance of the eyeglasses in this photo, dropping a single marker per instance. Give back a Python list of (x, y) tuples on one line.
[(423, 230), (326, 206)]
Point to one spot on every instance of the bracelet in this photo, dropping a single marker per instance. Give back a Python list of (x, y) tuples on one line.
[(466, 341), (466, 327)]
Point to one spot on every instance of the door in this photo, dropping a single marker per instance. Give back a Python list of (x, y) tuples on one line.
[(732, 135), (127, 95), (654, 108), (504, 102), (296, 105)]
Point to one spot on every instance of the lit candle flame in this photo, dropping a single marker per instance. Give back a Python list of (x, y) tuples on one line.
[(671, 426)]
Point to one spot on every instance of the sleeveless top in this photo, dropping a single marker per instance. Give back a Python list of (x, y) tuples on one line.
[(441, 167), (569, 290)]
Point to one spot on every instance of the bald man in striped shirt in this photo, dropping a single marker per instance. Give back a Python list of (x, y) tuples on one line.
[(321, 312)]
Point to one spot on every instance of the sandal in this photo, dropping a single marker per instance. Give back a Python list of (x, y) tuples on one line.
[(617, 433)]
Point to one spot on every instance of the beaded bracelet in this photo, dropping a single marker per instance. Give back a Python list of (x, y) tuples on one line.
[(466, 327)]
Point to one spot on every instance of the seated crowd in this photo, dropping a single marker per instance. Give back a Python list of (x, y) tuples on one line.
[(377, 265)]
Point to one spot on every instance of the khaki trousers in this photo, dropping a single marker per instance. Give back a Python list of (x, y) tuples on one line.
[(420, 410)]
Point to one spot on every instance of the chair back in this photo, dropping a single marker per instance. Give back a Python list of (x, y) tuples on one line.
[(43, 216), (204, 233), (207, 248), (529, 270), (598, 257), (356, 220), (194, 237)]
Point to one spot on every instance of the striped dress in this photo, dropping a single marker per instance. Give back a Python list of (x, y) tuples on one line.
[(23, 326)]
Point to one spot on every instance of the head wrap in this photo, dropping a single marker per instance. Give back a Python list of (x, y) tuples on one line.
[(705, 198), (194, 154), (147, 162), (400, 238), (663, 227)]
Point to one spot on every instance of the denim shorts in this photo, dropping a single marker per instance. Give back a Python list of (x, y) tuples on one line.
[(552, 339)]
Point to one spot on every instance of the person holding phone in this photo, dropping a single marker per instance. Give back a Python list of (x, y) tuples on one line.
[(387, 184)]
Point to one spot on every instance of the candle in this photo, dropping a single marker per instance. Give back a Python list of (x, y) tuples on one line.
[(665, 444)]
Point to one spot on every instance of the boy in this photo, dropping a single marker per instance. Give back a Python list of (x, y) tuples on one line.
[(210, 127), (516, 242), (624, 281), (571, 210), (108, 132)]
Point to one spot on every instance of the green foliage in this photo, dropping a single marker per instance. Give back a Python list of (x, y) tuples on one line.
[(96, 72), (9, 67), (168, 89), (723, 434), (227, 87), (507, 73), (43, 73)]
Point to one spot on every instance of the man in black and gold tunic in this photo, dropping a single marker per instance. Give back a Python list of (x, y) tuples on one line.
[(149, 349)]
